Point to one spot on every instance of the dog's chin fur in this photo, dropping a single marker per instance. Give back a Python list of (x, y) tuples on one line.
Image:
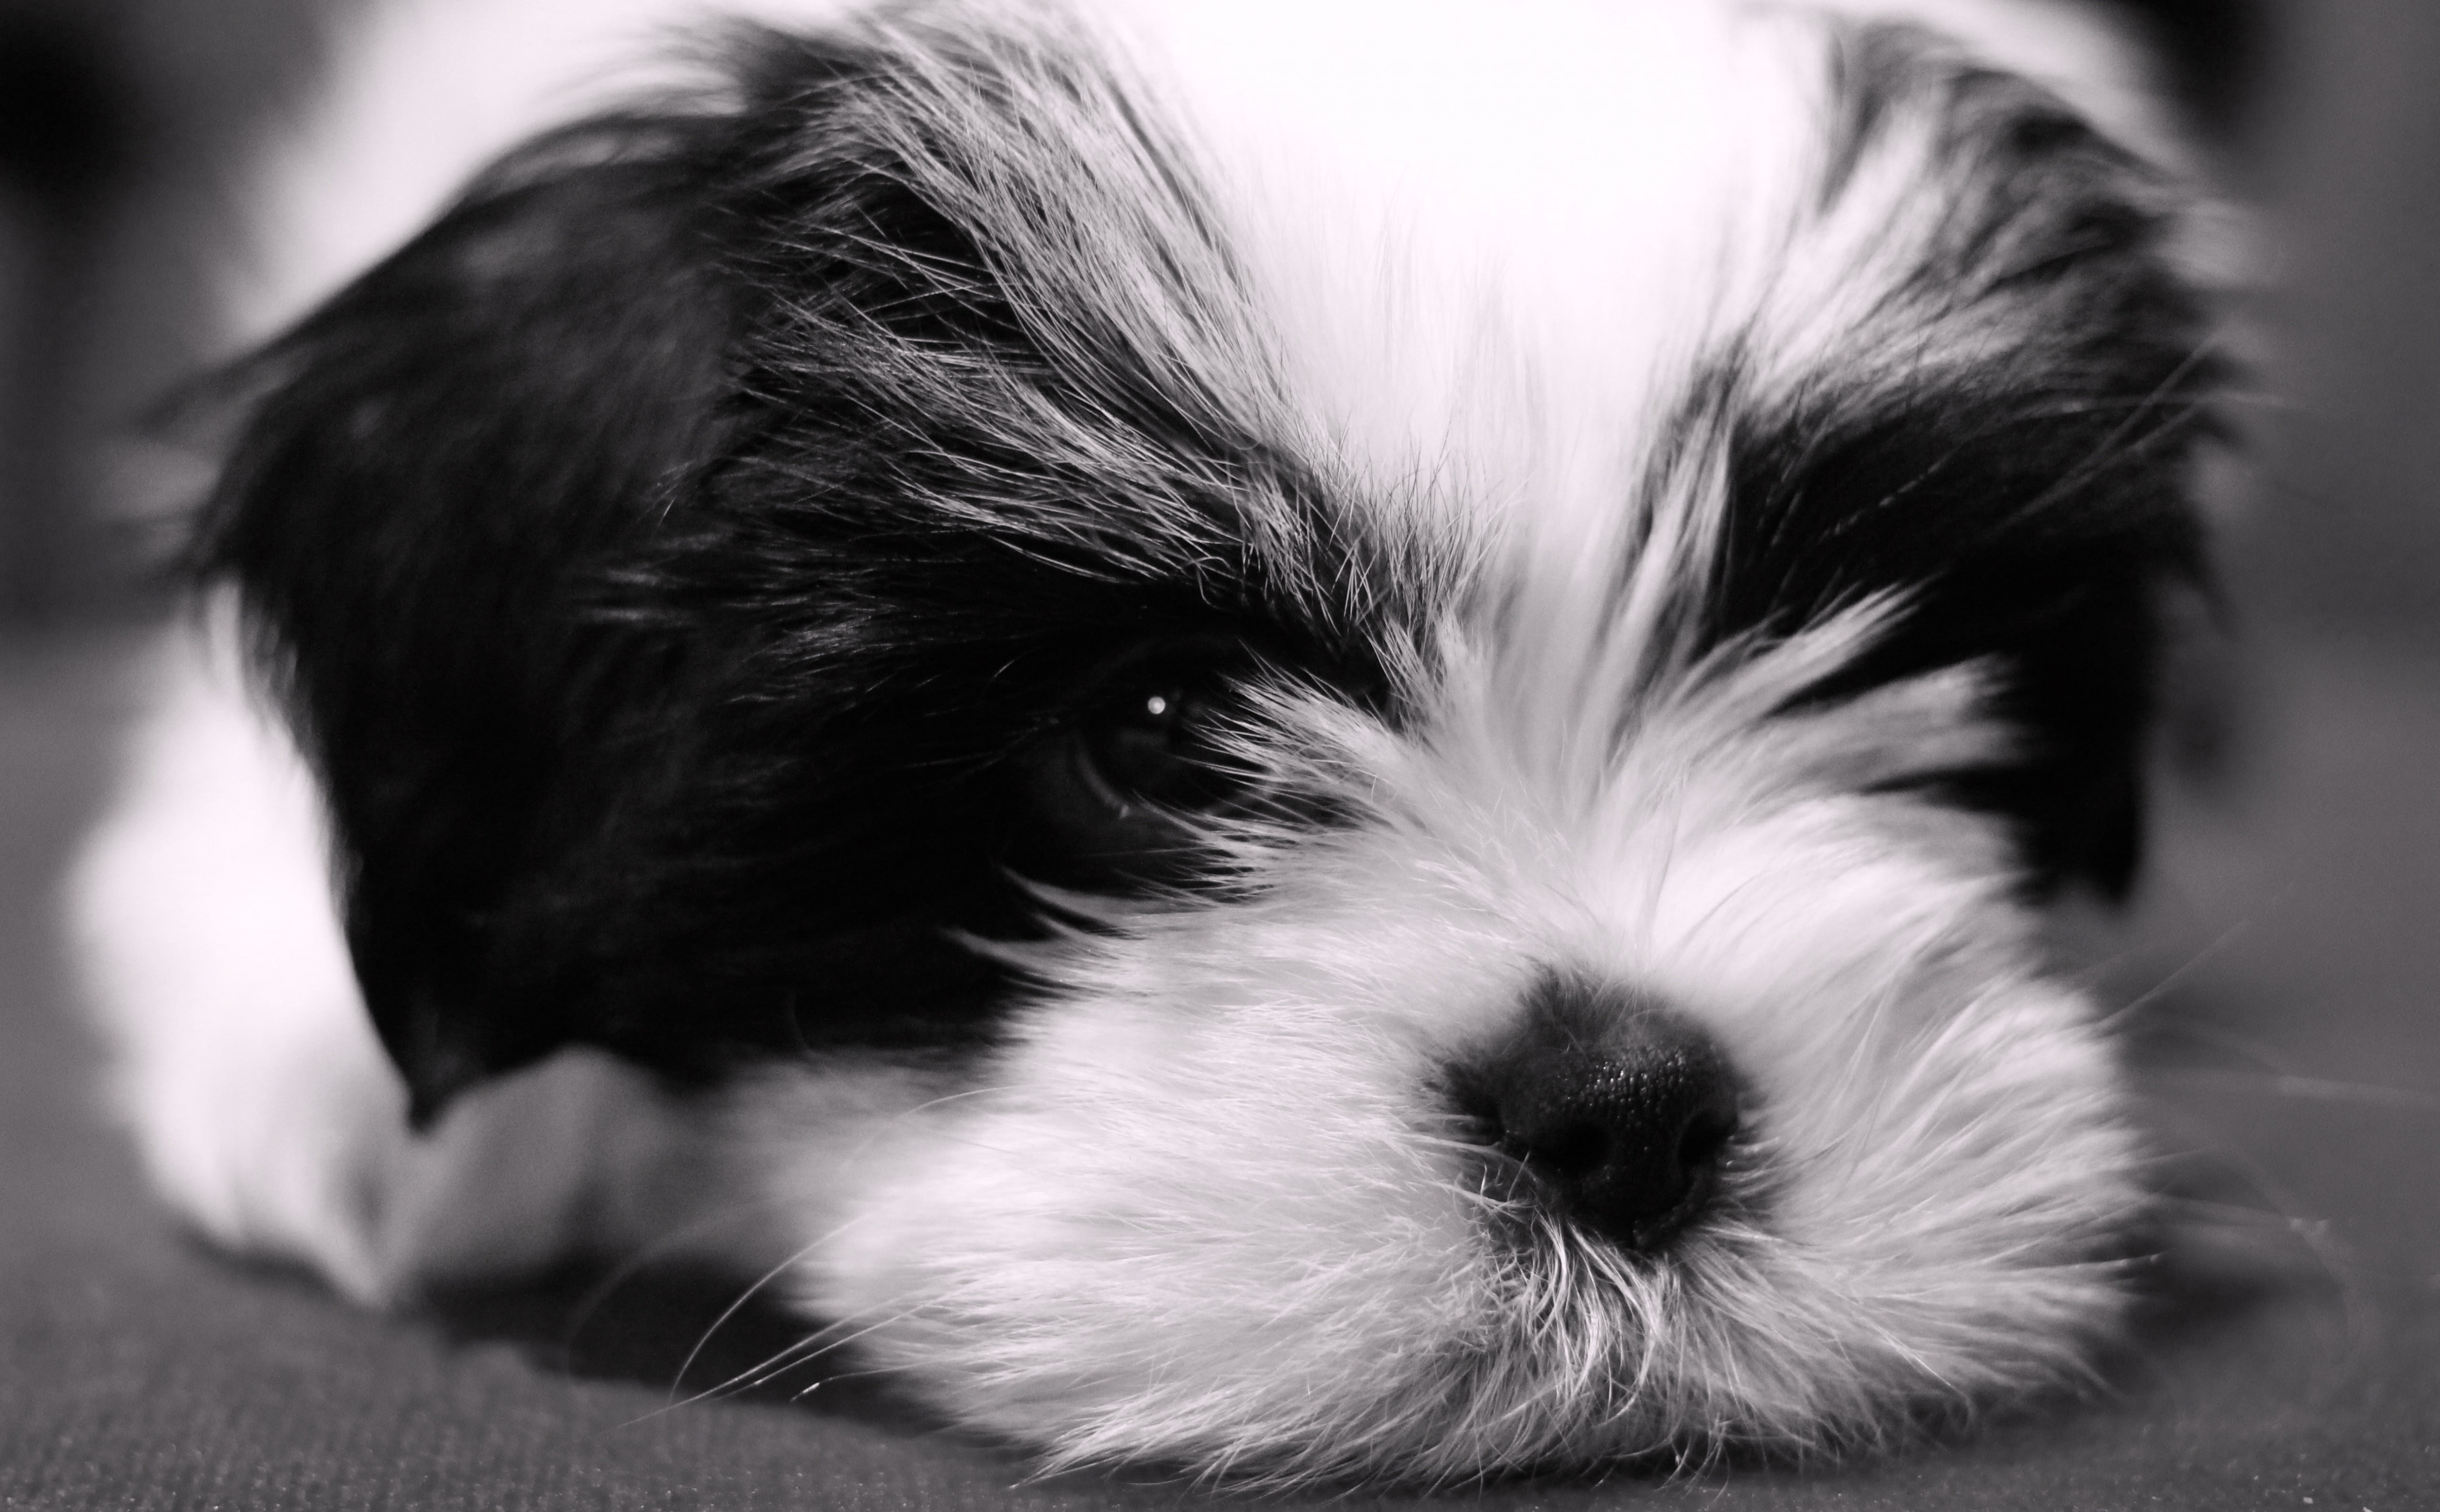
[(1682, 495)]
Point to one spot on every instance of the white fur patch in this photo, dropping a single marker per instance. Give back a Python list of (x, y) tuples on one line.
[(1452, 221)]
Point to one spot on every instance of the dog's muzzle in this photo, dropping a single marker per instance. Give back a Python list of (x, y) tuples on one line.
[(1609, 1112)]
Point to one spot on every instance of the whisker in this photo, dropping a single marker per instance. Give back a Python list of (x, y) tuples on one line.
[(814, 1346), (644, 1255), (2177, 974), (905, 1115), (869, 1329), (2308, 1088), (2328, 1255), (725, 1314)]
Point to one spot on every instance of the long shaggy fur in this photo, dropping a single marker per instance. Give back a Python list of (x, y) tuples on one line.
[(1652, 510)]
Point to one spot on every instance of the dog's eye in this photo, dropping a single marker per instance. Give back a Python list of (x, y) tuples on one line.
[(1150, 745), (1140, 750)]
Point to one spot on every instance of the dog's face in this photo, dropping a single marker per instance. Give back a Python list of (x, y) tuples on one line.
[(1336, 740)]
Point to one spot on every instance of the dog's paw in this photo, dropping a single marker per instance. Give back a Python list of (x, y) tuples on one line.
[(292, 1149), (241, 1056), (240, 1059)]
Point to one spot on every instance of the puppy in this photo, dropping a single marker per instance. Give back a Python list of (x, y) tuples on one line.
[(1317, 743)]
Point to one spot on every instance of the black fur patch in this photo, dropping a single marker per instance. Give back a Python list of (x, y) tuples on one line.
[(666, 555), (2031, 504)]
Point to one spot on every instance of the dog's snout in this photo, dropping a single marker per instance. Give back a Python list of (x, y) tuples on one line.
[(1622, 1132)]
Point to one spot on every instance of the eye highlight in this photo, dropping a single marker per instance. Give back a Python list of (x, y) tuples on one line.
[(1142, 748), (1151, 745)]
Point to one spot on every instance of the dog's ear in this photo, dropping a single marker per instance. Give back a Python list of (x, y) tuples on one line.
[(435, 480)]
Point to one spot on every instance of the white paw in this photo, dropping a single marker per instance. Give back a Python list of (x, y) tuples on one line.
[(241, 1058)]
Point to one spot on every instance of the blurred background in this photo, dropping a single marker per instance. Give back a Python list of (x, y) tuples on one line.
[(2283, 991)]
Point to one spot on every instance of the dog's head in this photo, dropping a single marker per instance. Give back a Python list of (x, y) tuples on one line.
[(1338, 737)]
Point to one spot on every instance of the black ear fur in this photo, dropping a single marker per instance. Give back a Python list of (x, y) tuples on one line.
[(619, 626), (437, 469)]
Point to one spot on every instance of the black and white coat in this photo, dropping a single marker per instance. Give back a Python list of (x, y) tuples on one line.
[(1310, 740)]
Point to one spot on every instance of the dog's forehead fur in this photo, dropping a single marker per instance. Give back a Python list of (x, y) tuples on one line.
[(1471, 304), (1484, 283), (1489, 253)]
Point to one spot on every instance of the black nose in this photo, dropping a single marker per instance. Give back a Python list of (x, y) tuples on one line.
[(1622, 1128)]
